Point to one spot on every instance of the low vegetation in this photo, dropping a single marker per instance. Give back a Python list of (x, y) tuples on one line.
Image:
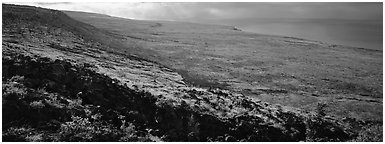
[(60, 86), (282, 70)]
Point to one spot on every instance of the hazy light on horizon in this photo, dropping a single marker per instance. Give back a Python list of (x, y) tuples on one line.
[(227, 10), (316, 21)]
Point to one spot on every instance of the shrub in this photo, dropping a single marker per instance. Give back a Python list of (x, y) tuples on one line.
[(79, 129), (35, 138), (83, 129), (16, 134), (37, 104), (371, 133), (321, 110)]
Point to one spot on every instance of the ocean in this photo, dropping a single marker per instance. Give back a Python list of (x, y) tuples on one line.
[(357, 33)]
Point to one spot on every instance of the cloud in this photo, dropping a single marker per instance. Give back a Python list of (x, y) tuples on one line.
[(200, 11)]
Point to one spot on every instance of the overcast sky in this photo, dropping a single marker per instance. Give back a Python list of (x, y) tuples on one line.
[(288, 18), (200, 11)]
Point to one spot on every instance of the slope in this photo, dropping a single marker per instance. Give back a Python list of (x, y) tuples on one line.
[(58, 86), (283, 70)]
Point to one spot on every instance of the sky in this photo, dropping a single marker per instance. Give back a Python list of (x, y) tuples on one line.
[(199, 12), (347, 23)]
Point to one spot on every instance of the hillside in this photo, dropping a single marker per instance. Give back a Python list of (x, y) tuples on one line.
[(65, 80), (282, 70)]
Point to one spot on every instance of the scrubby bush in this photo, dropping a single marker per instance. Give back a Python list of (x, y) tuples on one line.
[(81, 129), (372, 133), (15, 134)]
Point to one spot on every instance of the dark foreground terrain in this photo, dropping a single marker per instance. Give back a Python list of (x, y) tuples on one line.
[(64, 80)]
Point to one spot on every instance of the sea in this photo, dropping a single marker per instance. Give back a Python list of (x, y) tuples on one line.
[(356, 33)]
